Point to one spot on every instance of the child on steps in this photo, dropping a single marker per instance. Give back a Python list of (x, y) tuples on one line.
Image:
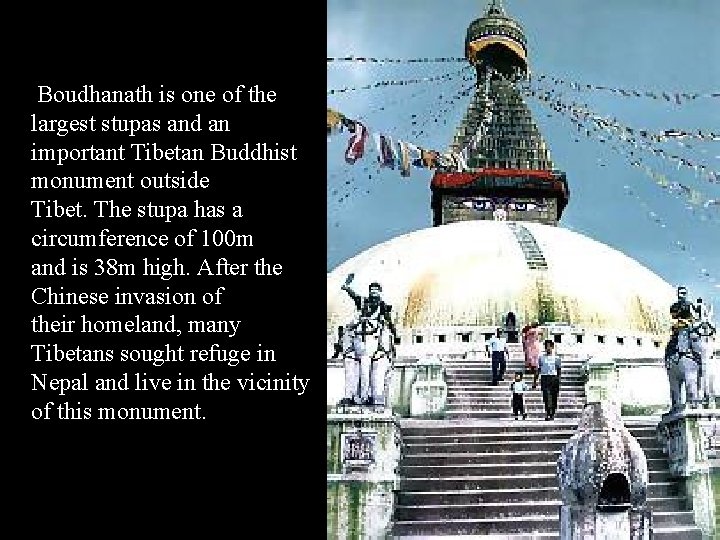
[(518, 388)]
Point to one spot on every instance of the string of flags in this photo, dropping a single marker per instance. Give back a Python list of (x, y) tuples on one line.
[(671, 96), (676, 243), (692, 196), (404, 99), (373, 60), (391, 153), (675, 188), (345, 183), (441, 113), (583, 115), (399, 82)]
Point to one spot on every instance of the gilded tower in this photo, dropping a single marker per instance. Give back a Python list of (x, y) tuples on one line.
[(506, 171)]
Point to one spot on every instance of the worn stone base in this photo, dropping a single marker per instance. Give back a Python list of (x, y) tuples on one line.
[(363, 453), (578, 523), (359, 510), (687, 437)]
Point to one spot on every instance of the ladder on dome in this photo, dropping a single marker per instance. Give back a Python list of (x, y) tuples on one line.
[(529, 246), (536, 261)]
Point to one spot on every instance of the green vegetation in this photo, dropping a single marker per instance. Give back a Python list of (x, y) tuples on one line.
[(355, 497), (333, 458)]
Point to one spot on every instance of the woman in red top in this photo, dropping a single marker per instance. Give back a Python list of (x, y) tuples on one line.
[(531, 338)]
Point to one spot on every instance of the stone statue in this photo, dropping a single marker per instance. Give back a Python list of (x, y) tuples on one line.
[(710, 380), (371, 348), (687, 355)]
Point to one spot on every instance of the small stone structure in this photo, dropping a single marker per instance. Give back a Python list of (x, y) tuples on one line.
[(603, 478), (429, 390), (363, 453), (602, 382), (688, 438)]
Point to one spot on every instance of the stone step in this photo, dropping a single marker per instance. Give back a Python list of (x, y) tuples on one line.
[(509, 372), (504, 389), (484, 442), (510, 367), (516, 361), (509, 431), (648, 442), (643, 432), (666, 526), (502, 403), (512, 525), (532, 536), (523, 456), (670, 519), (495, 482), (677, 533), (535, 405), (484, 447), (498, 437), (561, 413), (660, 533), (645, 437), (492, 468), (498, 510), (665, 511), (500, 400), (413, 428), (486, 377), (464, 527), (485, 381), (505, 397), (658, 493), (499, 393)]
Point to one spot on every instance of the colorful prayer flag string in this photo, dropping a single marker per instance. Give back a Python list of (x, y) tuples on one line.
[(373, 60), (669, 96), (583, 116), (403, 82), (692, 196)]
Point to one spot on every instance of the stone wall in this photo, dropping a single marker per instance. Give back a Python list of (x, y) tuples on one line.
[(363, 452)]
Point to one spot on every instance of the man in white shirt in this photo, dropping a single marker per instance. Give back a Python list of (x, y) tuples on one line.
[(497, 348), (549, 368)]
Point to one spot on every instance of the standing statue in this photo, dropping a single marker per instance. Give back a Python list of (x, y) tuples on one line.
[(372, 347), (686, 354), (710, 385)]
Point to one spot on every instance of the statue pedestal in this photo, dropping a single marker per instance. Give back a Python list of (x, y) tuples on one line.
[(363, 453), (429, 390), (584, 523), (686, 436)]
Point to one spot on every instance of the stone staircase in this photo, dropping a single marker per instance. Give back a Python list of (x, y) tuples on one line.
[(482, 474), (471, 394)]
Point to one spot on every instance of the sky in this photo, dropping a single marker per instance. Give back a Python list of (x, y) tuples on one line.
[(642, 45)]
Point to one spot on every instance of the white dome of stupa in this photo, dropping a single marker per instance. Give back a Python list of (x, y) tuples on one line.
[(474, 272)]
